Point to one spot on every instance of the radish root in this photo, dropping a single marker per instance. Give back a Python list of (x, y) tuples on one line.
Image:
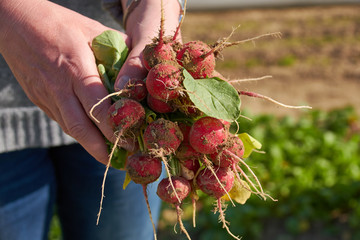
[(256, 95)]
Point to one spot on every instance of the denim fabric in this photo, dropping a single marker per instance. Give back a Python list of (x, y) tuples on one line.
[(32, 181)]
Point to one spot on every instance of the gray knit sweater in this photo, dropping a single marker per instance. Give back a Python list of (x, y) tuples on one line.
[(24, 125)]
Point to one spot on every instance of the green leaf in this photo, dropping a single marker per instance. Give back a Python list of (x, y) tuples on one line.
[(119, 158), (111, 51), (250, 144), (213, 96)]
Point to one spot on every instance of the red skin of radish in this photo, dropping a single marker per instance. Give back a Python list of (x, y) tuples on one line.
[(188, 157), (136, 90), (185, 129), (143, 169), (207, 182), (207, 134), (166, 192), (193, 57), (156, 53), (126, 115), (158, 105), (223, 158), (163, 81), (163, 134)]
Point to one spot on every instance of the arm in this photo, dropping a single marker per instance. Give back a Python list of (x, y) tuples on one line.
[(47, 48)]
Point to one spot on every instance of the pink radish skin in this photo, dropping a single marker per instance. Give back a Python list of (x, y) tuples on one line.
[(207, 134), (223, 158), (158, 105), (158, 52), (163, 134), (208, 183), (135, 89), (163, 81), (185, 130), (188, 157), (143, 169), (126, 115), (167, 193), (197, 58)]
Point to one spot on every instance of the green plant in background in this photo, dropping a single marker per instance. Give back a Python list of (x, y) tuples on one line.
[(312, 166)]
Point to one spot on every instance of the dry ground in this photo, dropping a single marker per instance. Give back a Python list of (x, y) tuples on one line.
[(316, 62)]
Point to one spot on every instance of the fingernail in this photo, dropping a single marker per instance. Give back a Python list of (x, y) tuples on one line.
[(122, 81)]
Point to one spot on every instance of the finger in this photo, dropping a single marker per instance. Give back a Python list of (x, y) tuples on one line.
[(78, 125), (133, 68)]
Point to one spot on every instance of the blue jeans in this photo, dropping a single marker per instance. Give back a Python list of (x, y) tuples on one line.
[(33, 181)]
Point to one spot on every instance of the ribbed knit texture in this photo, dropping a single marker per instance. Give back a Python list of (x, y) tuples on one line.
[(29, 127)]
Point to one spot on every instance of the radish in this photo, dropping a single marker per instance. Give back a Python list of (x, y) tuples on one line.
[(207, 134), (135, 89), (126, 116), (159, 106), (162, 49), (197, 58), (223, 158), (164, 80), (167, 193), (189, 160), (163, 135), (144, 169), (185, 130), (209, 182)]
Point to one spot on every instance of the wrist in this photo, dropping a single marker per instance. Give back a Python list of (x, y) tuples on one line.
[(143, 23), (128, 7), (11, 14)]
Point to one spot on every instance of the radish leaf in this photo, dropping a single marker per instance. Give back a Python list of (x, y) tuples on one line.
[(250, 144), (111, 51), (213, 96)]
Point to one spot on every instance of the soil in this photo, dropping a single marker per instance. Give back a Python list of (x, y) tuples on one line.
[(316, 62)]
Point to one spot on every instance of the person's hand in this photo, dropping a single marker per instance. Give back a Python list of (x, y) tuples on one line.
[(48, 49), (142, 25)]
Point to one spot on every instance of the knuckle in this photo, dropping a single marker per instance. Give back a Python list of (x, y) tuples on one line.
[(77, 130)]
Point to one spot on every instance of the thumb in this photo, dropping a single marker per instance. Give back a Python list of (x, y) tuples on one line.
[(133, 68)]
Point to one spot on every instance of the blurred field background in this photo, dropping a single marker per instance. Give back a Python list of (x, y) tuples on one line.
[(312, 159)]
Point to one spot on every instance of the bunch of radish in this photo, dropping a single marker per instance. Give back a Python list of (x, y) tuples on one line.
[(181, 118)]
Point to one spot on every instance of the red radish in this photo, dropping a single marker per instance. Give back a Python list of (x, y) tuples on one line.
[(159, 106), (163, 81), (223, 158), (207, 134), (135, 89), (197, 58), (189, 160), (126, 116), (185, 129), (144, 169), (186, 106), (160, 50), (208, 183), (167, 193), (163, 134)]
